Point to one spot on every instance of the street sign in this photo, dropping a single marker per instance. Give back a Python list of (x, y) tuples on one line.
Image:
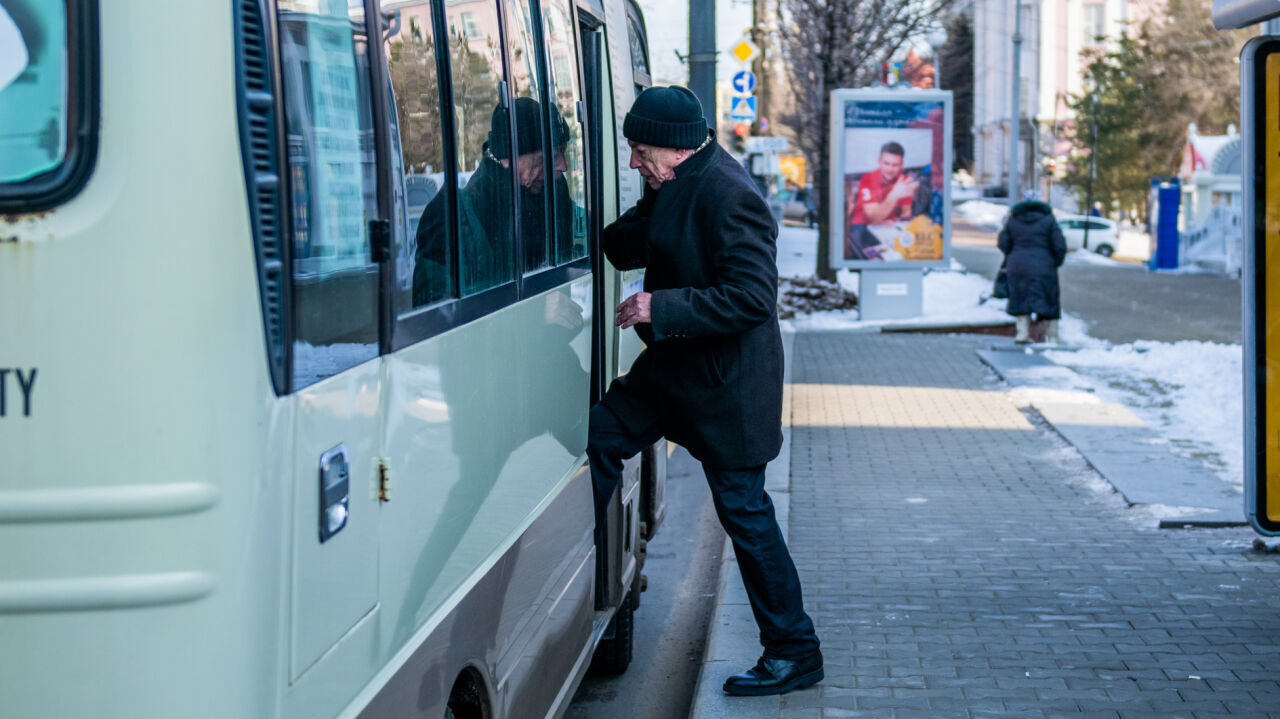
[(767, 144), (1260, 113), (744, 51), (743, 108), (744, 82)]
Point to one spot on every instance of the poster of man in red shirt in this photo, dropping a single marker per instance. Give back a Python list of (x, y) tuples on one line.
[(881, 197), (891, 161)]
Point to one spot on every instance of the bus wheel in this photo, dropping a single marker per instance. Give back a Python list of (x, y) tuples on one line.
[(614, 653)]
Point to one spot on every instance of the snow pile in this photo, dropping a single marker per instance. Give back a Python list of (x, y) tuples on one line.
[(797, 251), (951, 298), (1189, 392), (987, 215), (804, 296)]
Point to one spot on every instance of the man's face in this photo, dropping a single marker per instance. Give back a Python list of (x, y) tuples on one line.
[(529, 169), (656, 164), (890, 166)]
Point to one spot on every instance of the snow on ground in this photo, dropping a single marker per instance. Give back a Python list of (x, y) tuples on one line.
[(1088, 257), (951, 297), (1188, 392), (987, 215)]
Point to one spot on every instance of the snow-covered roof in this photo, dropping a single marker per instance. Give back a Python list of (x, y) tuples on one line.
[(1214, 154)]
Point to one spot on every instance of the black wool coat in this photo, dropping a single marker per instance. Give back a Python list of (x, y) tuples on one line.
[(1034, 249), (711, 370)]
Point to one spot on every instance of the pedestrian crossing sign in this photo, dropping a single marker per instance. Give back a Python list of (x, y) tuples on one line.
[(743, 108)]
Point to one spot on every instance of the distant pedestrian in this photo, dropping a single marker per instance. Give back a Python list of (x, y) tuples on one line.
[(1033, 249), (710, 376)]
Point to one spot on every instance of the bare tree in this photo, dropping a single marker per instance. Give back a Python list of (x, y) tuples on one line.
[(831, 44)]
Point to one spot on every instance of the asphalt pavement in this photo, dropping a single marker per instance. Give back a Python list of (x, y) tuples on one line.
[(682, 566), (1124, 302)]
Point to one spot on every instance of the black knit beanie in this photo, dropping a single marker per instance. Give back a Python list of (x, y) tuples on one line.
[(528, 129), (666, 117)]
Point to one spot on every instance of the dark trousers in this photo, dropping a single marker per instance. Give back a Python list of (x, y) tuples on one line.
[(745, 512)]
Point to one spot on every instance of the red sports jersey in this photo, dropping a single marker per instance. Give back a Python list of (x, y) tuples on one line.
[(872, 188)]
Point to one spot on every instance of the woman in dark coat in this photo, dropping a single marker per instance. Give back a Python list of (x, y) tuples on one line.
[(1033, 249)]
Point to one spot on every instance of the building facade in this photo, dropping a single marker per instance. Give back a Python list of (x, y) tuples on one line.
[(1055, 35)]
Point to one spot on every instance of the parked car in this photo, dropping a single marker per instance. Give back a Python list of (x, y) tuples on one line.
[(798, 206), (1103, 237)]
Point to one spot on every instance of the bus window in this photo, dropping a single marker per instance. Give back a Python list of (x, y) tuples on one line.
[(47, 117), (486, 240), (639, 49), (531, 172), (568, 175), (415, 90), (332, 171)]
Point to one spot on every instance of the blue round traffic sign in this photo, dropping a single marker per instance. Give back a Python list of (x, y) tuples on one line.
[(744, 81)]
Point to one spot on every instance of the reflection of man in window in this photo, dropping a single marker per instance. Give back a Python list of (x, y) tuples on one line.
[(486, 232), (883, 196)]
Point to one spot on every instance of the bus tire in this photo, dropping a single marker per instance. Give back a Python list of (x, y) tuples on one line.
[(613, 655)]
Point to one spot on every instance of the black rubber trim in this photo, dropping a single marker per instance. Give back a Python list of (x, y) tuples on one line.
[(538, 282), (379, 95), (1259, 242), (426, 322), (84, 111), (258, 113)]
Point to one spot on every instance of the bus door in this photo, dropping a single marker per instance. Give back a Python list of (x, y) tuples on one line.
[(335, 375)]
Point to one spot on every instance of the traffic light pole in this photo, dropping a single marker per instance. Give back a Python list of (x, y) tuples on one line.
[(1014, 190), (702, 56)]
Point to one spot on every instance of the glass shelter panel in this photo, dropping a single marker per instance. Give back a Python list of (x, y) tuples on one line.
[(486, 240), (332, 179), (568, 174)]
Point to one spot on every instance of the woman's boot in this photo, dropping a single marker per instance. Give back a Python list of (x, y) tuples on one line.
[(1023, 323), (1051, 332)]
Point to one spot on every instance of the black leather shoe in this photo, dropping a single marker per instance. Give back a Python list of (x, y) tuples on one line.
[(776, 676)]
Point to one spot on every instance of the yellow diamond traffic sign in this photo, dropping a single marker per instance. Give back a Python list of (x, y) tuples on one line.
[(744, 50)]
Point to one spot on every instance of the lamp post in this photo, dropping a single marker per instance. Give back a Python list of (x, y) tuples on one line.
[(937, 38), (1017, 102), (1093, 161)]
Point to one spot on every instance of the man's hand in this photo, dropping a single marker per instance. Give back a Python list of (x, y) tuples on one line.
[(563, 311), (634, 310), (905, 187)]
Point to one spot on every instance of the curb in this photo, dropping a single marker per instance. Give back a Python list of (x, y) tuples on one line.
[(1117, 444), (733, 640)]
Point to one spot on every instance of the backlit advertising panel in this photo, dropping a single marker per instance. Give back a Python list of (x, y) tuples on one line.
[(890, 178)]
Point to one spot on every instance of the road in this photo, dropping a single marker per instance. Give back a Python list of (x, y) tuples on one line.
[(1123, 302), (671, 623)]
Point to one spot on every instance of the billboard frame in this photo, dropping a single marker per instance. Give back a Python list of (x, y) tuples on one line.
[(1254, 85), (840, 99)]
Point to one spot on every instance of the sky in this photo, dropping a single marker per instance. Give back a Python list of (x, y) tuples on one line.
[(667, 22)]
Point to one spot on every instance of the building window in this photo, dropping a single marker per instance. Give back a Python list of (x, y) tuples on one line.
[(470, 29), (48, 101), (1094, 29)]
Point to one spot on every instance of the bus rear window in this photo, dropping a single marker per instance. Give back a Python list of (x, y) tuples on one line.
[(46, 104)]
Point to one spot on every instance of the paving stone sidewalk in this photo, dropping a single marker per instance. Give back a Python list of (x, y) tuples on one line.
[(962, 560)]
